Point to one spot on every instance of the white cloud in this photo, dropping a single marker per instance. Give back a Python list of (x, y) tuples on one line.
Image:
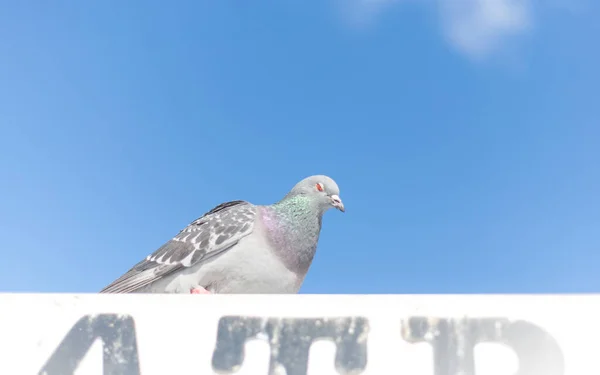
[(475, 27), (478, 27)]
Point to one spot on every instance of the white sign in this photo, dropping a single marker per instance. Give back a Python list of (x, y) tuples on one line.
[(130, 334)]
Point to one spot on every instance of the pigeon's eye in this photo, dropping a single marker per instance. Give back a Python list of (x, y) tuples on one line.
[(320, 187)]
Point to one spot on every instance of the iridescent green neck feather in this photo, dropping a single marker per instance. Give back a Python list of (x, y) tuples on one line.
[(293, 226)]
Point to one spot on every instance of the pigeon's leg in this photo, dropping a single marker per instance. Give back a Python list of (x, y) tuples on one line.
[(199, 290)]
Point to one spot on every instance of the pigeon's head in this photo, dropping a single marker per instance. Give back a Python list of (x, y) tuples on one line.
[(322, 189)]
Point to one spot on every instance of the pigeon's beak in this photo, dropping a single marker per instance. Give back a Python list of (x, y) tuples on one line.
[(337, 203)]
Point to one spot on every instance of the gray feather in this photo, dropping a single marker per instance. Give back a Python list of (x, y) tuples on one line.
[(210, 235)]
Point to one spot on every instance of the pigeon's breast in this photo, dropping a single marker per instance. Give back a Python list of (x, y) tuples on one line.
[(248, 267), (293, 244)]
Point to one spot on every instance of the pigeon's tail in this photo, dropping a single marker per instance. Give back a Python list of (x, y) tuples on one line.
[(132, 281)]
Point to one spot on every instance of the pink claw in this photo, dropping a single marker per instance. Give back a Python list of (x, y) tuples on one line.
[(199, 290)]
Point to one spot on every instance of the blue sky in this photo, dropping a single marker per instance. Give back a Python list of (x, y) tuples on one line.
[(465, 139)]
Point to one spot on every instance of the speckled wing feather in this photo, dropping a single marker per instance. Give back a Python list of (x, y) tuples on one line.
[(214, 232)]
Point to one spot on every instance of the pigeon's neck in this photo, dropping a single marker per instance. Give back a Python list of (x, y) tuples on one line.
[(293, 226)]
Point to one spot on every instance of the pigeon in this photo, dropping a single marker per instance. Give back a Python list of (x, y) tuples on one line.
[(240, 248)]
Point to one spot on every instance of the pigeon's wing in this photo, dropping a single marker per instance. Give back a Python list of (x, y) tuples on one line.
[(213, 233)]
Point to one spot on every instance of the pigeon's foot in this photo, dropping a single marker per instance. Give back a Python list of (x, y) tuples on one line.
[(199, 290)]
